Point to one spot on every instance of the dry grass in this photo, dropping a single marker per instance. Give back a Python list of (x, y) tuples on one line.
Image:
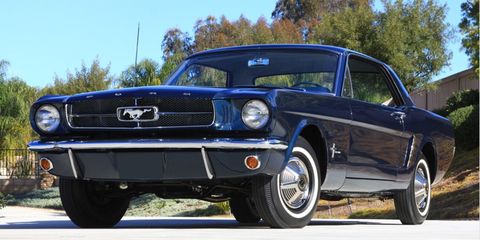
[(456, 197)]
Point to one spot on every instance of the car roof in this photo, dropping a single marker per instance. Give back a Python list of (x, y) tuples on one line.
[(335, 49), (328, 48)]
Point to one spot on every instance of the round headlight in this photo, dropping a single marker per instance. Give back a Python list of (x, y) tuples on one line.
[(47, 118), (255, 114)]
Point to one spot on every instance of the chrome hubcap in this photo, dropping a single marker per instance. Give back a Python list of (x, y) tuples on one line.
[(295, 183), (422, 189)]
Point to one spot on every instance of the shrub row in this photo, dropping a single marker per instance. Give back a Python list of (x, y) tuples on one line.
[(459, 100), (465, 125)]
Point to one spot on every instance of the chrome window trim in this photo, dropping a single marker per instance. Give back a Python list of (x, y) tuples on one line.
[(67, 119)]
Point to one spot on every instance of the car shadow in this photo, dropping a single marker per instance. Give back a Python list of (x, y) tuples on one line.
[(181, 223)]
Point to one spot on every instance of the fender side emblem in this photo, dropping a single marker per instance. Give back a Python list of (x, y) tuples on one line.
[(334, 151)]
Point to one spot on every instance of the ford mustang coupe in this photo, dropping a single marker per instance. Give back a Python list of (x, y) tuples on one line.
[(269, 128)]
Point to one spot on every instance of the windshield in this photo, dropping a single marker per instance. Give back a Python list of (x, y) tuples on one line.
[(274, 68)]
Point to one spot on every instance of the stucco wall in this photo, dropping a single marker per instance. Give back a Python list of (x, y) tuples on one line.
[(435, 99)]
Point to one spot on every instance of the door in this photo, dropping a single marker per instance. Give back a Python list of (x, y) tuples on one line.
[(377, 140)]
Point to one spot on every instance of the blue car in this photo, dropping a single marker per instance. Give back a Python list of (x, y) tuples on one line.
[(270, 128)]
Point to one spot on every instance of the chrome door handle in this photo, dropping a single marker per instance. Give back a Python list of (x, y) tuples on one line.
[(399, 116)]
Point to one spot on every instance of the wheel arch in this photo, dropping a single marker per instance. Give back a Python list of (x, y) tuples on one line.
[(428, 149), (313, 134)]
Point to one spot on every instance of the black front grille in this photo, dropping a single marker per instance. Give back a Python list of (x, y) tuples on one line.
[(172, 112)]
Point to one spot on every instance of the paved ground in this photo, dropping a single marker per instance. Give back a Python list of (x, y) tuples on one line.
[(28, 223)]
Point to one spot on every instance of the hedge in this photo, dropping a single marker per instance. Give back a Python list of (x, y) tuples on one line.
[(441, 111), (458, 100), (462, 99), (465, 125)]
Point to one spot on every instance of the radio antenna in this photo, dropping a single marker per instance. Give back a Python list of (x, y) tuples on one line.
[(136, 54), (136, 50)]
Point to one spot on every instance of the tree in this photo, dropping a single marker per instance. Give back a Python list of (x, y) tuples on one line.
[(419, 51), (352, 28), (285, 31), (307, 13), (3, 69), (411, 37), (312, 10), (206, 34), (16, 97), (262, 34), (169, 66), (295, 10), (85, 79), (146, 73), (211, 33), (469, 27), (176, 42)]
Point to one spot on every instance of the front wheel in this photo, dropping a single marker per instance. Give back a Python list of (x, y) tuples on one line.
[(289, 199), (412, 205), (87, 205), (243, 210)]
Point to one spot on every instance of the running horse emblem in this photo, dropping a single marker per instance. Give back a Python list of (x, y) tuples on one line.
[(135, 114)]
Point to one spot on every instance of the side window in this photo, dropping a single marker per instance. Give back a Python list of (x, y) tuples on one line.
[(369, 83), (347, 84)]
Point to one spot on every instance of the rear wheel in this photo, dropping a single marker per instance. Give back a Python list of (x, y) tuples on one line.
[(87, 205), (412, 205), (289, 199), (243, 210)]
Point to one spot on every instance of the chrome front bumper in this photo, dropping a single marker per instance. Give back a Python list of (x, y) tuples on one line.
[(220, 143), (160, 159)]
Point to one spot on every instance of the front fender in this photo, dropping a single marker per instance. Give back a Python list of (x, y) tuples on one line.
[(293, 139)]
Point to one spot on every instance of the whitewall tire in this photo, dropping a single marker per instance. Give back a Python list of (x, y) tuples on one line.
[(289, 199), (413, 204)]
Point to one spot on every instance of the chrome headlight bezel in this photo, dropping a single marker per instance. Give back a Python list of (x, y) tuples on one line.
[(255, 114), (47, 118)]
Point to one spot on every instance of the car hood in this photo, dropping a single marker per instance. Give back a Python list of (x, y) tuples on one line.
[(160, 91), (171, 91)]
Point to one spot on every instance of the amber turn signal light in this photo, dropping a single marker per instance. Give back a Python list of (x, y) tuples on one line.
[(252, 162), (45, 164)]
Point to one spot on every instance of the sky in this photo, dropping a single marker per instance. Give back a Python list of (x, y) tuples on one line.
[(42, 39)]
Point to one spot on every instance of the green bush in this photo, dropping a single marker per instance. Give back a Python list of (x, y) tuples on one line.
[(2, 201), (24, 168), (225, 206), (4, 198), (441, 111), (465, 125), (458, 100), (462, 99)]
